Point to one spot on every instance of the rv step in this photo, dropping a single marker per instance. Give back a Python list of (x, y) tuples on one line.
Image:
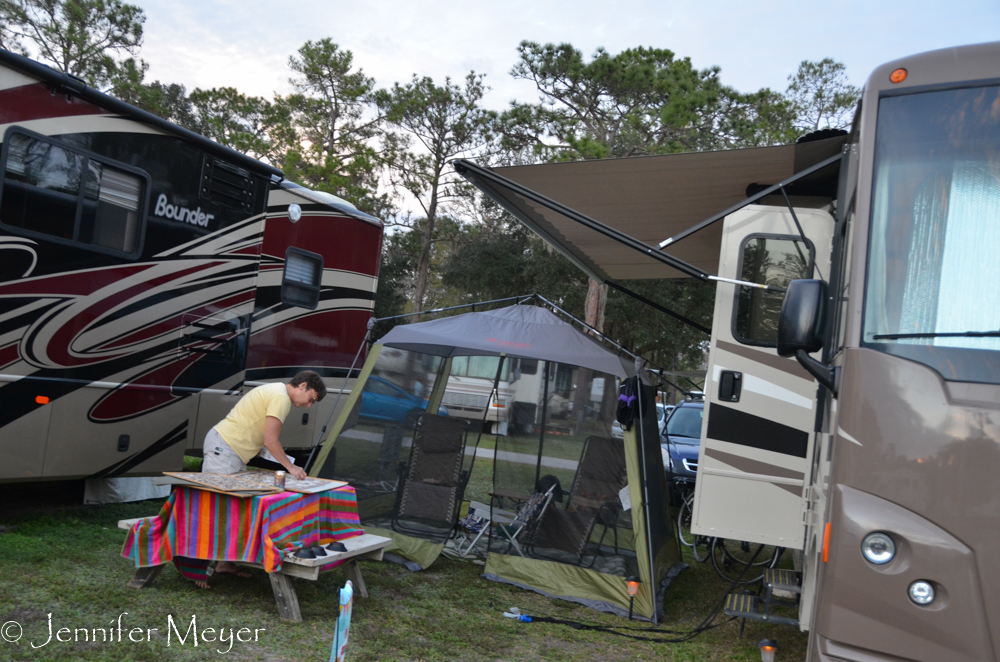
[(745, 605), (780, 579)]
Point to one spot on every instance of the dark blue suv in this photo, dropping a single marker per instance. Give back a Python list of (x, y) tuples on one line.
[(681, 439)]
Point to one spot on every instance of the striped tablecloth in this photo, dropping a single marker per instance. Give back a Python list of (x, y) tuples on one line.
[(195, 527)]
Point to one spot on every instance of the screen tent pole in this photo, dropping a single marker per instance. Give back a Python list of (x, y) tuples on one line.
[(541, 426), (653, 588), (316, 444)]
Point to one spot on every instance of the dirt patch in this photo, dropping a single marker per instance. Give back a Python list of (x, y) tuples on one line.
[(393, 594)]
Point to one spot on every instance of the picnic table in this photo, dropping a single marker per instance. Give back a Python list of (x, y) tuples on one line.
[(195, 527)]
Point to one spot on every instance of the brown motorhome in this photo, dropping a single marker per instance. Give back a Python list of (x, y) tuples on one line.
[(908, 436), (870, 444)]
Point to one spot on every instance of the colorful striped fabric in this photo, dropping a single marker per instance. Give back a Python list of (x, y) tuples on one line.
[(195, 527)]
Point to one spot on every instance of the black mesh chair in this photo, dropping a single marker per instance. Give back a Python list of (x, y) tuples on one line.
[(593, 498), (432, 482)]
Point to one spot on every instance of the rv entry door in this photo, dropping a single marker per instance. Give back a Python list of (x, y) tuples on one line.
[(757, 433)]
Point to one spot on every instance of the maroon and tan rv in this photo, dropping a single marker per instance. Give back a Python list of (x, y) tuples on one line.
[(148, 275), (853, 388)]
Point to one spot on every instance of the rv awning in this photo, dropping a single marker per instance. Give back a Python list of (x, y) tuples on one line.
[(639, 202)]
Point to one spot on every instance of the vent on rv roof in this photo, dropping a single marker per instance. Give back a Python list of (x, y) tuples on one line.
[(227, 184)]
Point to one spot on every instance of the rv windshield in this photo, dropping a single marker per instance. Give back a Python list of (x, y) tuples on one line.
[(933, 268)]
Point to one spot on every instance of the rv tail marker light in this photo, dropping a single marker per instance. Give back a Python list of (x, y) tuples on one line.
[(898, 76), (42, 399), (878, 548), (826, 542)]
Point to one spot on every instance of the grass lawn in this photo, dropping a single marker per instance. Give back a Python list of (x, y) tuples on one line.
[(67, 562)]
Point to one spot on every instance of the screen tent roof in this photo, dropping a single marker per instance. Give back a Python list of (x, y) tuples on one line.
[(643, 201), (523, 331)]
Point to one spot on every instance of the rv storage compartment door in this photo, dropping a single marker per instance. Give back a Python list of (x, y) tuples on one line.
[(757, 439)]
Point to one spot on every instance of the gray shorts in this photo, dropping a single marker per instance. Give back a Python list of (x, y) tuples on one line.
[(220, 458)]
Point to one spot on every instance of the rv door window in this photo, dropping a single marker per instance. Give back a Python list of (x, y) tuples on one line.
[(768, 260), (71, 196), (300, 283)]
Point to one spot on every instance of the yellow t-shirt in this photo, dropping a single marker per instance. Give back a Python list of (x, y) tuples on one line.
[(243, 427)]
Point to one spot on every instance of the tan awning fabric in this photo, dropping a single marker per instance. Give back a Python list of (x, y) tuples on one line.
[(648, 199)]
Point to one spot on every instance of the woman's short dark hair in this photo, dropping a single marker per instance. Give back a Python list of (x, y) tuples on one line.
[(312, 380)]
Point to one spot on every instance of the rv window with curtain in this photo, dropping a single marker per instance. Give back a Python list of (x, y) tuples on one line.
[(61, 193), (301, 280), (767, 260), (932, 292)]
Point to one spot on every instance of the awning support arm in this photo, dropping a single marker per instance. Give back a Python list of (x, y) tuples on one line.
[(749, 201), (746, 283), (700, 387), (802, 235)]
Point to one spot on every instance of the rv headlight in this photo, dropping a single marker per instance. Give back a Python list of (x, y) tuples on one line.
[(921, 592), (878, 548)]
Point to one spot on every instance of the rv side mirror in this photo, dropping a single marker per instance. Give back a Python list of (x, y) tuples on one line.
[(800, 324)]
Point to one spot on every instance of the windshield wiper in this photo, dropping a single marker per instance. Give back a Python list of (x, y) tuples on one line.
[(961, 334)]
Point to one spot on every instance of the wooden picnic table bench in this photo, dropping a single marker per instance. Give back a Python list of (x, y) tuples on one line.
[(366, 546)]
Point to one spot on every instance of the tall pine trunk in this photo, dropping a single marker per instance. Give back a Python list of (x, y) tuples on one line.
[(427, 245)]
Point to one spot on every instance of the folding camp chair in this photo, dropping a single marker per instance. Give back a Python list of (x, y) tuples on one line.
[(432, 481), (473, 526), (523, 524)]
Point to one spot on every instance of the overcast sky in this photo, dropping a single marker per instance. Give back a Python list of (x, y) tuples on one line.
[(246, 43)]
